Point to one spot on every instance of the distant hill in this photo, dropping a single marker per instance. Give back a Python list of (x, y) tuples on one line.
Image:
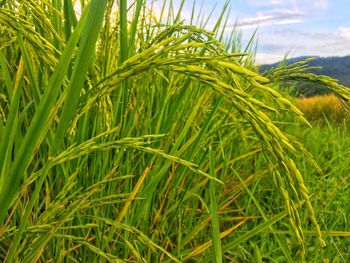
[(335, 67)]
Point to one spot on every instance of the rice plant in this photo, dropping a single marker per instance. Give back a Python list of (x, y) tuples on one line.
[(130, 137)]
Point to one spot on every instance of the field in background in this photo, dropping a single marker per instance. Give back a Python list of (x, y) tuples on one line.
[(323, 108)]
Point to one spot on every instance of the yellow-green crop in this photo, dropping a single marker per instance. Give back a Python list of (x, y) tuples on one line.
[(130, 137)]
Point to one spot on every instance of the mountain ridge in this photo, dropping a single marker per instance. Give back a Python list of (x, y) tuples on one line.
[(334, 67)]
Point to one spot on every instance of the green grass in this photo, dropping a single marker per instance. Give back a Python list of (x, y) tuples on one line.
[(126, 137), (330, 147), (332, 187)]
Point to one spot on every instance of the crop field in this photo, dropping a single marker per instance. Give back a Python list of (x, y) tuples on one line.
[(127, 136), (323, 108)]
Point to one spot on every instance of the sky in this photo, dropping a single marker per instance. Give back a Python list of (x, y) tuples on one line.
[(294, 27)]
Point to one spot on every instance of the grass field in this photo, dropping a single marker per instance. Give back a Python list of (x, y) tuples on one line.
[(329, 144), (126, 137)]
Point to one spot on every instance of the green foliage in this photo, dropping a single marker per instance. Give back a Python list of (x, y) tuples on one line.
[(142, 140)]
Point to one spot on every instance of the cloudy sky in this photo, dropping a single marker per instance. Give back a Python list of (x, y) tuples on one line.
[(297, 27)]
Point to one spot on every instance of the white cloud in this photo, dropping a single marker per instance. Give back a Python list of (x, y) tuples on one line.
[(275, 44), (274, 17), (344, 33), (271, 2), (323, 4), (268, 58), (305, 5)]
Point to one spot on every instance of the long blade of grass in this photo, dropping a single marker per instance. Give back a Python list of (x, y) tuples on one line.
[(81, 65), (215, 224), (6, 140), (124, 47), (6, 74), (133, 29)]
